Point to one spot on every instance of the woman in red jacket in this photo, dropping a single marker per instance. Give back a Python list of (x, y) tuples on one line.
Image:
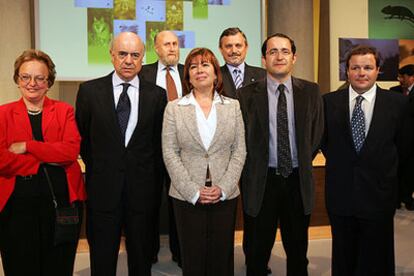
[(36, 133)]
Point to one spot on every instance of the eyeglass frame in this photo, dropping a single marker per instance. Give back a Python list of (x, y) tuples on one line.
[(38, 79)]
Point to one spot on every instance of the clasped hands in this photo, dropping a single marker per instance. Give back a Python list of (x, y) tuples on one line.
[(209, 195)]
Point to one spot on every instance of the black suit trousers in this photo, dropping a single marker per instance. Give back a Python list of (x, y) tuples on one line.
[(362, 246), (104, 230), (172, 227), (282, 204)]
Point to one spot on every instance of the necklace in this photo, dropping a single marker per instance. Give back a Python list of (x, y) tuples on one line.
[(34, 112)]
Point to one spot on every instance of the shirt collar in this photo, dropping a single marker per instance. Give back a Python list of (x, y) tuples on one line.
[(162, 67), (240, 67), (272, 85), (368, 95), (117, 81), (190, 99)]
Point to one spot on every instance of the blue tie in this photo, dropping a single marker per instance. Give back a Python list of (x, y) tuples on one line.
[(237, 78), (123, 109), (358, 124)]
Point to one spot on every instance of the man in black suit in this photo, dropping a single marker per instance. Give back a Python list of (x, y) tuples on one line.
[(406, 79), (406, 175), (168, 52), (236, 73), (120, 119), (283, 118), (367, 132)]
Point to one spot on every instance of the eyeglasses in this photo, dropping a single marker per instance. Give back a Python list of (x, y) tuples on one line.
[(283, 52), (39, 79), (124, 55)]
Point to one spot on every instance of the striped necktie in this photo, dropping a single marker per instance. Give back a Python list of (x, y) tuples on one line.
[(237, 78)]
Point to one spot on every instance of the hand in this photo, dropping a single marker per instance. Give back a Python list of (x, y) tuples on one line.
[(18, 148), (209, 195)]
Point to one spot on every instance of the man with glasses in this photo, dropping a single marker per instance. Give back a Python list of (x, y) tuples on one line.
[(283, 117), (120, 118)]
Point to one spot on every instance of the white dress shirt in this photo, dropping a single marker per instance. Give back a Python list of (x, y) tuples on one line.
[(161, 82), (134, 99), (206, 126), (367, 104)]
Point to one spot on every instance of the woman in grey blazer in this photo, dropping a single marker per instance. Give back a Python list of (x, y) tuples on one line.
[(204, 151)]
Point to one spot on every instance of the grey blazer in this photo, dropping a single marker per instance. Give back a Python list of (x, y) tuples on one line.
[(184, 154)]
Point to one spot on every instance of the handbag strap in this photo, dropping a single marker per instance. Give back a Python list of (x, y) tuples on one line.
[(49, 182)]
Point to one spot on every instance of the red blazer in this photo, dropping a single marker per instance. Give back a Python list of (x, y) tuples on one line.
[(61, 145)]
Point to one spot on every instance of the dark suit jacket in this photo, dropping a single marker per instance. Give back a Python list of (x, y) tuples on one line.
[(149, 72), (308, 111), (364, 184), (399, 89), (109, 165), (251, 74)]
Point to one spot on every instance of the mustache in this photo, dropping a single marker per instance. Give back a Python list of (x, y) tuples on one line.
[(235, 54)]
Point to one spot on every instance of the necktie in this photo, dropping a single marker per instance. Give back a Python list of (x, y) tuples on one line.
[(284, 158), (237, 78), (123, 109), (358, 124), (171, 88)]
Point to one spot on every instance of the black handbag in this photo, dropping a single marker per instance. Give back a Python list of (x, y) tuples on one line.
[(67, 219)]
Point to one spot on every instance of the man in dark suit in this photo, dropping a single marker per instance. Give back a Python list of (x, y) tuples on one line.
[(367, 131), (406, 175), (168, 52), (406, 79), (120, 119), (283, 118), (236, 73)]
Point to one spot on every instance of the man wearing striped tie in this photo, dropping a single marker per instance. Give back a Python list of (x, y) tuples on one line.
[(236, 73)]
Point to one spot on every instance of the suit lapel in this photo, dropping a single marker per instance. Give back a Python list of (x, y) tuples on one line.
[(49, 114), (299, 107), (188, 113), (248, 75), (21, 118), (144, 108), (262, 107), (106, 103), (377, 118)]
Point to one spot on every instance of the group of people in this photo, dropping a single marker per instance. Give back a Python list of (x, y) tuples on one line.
[(198, 130)]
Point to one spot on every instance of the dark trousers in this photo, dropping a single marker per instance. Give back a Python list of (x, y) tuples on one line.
[(206, 234), (405, 183), (282, 204), (104, 229), (362, 247), (172, 227), (26, 240)]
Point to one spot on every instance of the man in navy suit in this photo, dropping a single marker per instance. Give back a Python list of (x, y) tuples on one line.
[(236, 73), (367, 135), (168, 52), (120, 119)]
